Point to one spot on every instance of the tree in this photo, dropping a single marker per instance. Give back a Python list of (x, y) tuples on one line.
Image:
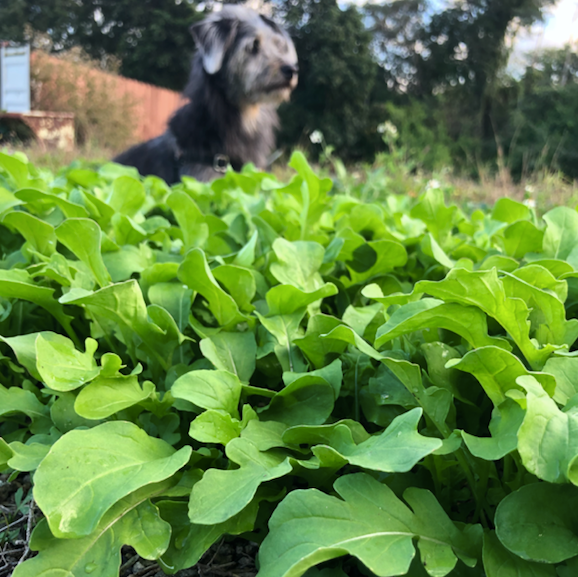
[(464, 48), (337, 76), (397, 31), (150, 37), (21, 19), (543, 123)]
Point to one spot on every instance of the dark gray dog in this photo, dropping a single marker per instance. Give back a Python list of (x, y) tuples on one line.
[(245, 66)]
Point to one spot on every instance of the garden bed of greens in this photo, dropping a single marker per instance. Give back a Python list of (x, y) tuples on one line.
[(385, 388)]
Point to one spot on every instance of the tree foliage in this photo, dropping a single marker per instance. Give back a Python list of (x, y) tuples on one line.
[(437, 73), (544, 123), (150, 37), (337, 76)]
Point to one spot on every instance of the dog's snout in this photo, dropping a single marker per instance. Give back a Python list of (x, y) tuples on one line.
[(289, 71)]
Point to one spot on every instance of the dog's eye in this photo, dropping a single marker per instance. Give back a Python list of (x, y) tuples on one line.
[(255, 46)]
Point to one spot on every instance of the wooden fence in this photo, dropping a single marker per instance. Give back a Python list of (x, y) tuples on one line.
[(149, 106)]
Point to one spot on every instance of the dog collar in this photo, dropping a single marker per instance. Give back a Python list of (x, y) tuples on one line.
[(218, 162)]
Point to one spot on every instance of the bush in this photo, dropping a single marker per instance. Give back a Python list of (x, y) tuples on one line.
[(102, 117)]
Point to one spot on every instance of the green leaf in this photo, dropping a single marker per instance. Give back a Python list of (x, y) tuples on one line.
[(359, 318), (386, 254), (538, 522), (46, 200), (128, 195), (308, 400), (207, 505), (175, 298), (246, 256), (369, 522), (485, 291), (438, 218), (133, 521), (316, 187), (345, 432), (214, 426), (499, 562), (286, 329), (17, 284), (395, 296), (24, 347), (239, 282), (504, 426), (61, 366), (232, 352), (105, 396), (497, 371), (189, 541), (194, 271), (348, 335), (17, 169), (6, 453), (65, 418), (436, 402), (468, 322), (82, 237), (299, 263), (397, 449), (548, 316), (317, 349), (123, 304), (191, 220), (331, 373), (561, 232), (521, 238), (433, 249), (565, 371), (122, 264), (27, 457), (38, 233), (88, 471), (7, 200), (548, 437), (264, 435), (385, 388), (218, 390), (126, 230), (508, 210), (16, 400), (286, 299)]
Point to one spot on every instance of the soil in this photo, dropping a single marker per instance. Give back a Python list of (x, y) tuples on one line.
[(227, 558)]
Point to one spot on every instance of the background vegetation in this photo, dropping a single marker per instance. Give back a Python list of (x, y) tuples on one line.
[(437, 74)]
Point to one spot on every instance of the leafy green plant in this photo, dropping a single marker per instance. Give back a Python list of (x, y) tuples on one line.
[(384, 387)]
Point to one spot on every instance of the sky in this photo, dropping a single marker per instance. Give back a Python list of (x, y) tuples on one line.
[(559, 28)]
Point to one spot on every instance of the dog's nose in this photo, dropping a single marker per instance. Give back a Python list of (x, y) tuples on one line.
[(289, 71)]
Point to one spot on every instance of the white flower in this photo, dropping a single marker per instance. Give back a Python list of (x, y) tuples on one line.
[(316, 137), (388, 128), (530, 203), (433, 184)]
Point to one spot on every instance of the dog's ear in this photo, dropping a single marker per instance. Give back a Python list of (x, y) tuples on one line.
[(213, 36)]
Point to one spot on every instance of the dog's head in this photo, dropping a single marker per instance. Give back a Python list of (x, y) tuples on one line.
[(252, 54)]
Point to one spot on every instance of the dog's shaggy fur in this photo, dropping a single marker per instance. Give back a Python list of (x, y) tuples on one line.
[(245, 66)]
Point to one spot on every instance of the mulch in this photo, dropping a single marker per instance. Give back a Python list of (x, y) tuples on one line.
[(229, 557)]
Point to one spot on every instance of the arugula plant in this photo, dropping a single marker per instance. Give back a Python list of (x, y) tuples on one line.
[(384, 387)]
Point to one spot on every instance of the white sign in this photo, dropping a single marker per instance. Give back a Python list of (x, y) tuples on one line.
[(15, 78)]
